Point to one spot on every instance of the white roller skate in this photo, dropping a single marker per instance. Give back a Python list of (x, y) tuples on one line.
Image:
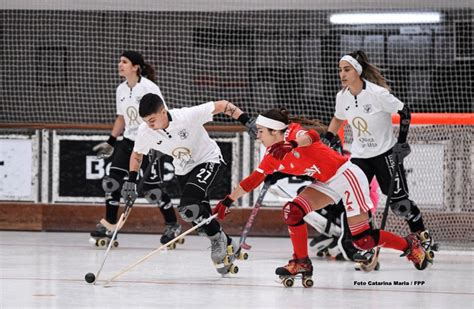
[(224, 251), (428, 243), (296, 268), (101, 237), (171, 231)]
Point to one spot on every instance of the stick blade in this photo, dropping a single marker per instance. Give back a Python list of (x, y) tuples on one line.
[(245, 246)]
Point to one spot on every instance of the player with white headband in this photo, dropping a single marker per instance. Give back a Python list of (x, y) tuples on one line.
[(294, 150), (367, 104)]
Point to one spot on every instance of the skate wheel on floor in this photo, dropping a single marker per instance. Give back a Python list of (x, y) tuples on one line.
[(234, 269), (115, 244), (288, 282), (172, 246), (101, 243), (230, 250), (181, 241), (431, 254), (308, 282), (423, 265), (243, 256), (226, 261)]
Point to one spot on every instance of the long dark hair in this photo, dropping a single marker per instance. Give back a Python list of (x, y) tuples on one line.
[(283, 115), (369, 71), (148, 71), (145, 69)]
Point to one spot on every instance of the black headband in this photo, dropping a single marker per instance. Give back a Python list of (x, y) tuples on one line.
[(134, 57)]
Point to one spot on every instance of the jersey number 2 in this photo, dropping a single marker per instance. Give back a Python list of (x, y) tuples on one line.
[(347, 194)]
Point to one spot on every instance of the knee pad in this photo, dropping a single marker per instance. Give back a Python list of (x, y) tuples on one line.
[(192, 212), (153, 196), (405, 208), (110, 184), (293, 214), (366, 240)]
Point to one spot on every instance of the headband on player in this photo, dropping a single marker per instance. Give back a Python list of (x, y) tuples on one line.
[(270, 123), (134, 57), (353, 62)]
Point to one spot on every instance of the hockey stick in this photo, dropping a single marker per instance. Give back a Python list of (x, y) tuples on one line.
[(280, 192), (253, 215), (375, 260), (154, 156), (180, 236), (121, 221)]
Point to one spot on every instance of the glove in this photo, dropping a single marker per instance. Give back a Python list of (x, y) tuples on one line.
[(280, 149), (326, 138), (106, 149), (222, 208), (336, 144), (401, 151), (129, 189), (249, 123)]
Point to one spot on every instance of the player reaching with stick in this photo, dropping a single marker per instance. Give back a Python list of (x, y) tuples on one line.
[(293, 150), (367, 104), (139, 80), (197, 158)]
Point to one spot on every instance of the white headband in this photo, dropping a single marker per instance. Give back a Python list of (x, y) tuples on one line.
[(270, 123), (353, 62)]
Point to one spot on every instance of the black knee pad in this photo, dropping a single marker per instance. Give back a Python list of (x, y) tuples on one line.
[(191, 210), (405, 208), (153, 196)]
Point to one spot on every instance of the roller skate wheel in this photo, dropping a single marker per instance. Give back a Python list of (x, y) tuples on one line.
[(288, 282), (244, 256), (423, 265), (357, 267), (172, 246), (226, 260), (424, 235), (101, 243), (181, 241), (230, 250), (115, 244), (308, 282), (234, 269), (431, 254)]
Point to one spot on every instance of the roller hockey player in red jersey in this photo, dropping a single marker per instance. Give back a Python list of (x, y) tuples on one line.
[(293, 150)]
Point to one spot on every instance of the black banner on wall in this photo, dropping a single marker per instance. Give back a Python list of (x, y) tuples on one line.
[(81, 173)]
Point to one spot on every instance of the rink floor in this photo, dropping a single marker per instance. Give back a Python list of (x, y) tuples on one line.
[(46, 270)]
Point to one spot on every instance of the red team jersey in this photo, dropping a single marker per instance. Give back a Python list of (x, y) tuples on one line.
[(316, 160)]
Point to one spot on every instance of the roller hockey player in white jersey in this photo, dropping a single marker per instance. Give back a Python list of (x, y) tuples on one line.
[(197, 159), (133, 68)]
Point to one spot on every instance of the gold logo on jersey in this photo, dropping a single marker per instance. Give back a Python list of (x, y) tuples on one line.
[(182, 155), (133, 116), (361, 125)]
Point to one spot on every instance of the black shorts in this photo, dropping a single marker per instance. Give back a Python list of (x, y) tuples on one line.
[(382, 167), (195, 185)]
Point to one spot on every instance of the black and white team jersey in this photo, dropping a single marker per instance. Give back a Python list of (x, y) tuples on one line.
[(185, 139), (370, 117), (128, 100)]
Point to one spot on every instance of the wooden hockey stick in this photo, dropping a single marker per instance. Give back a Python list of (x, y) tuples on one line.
[(253, 215), (128, 268)]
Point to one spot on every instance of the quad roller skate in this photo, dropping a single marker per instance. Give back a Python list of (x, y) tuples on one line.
[(224, 251), (416, 253), (172, 231), (323, 243), (366, 260), (428, 243), (102, 237), (296, 268)]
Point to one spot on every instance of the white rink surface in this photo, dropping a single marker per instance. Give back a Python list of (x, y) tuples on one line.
[(46, 270)]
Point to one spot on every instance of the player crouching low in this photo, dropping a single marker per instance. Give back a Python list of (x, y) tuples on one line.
[(291, 149)]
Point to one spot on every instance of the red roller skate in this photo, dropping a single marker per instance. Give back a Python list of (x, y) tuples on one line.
[(416, 252), (296, 268)]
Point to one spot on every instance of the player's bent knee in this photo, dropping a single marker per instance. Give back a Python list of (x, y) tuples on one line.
[(110, 184), (404, 208), (293, 214), (153, 196), (366, 240)]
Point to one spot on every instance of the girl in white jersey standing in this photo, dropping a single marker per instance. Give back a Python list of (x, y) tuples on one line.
[(197, 158), (134, 69), (367, 104)]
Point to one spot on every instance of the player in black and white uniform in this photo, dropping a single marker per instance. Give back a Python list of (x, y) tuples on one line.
[(367, 104), (134, 69), (197, 158)]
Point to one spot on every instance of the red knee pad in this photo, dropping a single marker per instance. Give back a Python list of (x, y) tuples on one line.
[(293, 214), (366, 240)]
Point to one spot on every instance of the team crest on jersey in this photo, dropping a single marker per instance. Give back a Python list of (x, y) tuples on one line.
[(367, 108), (281, 167), (183, 134)]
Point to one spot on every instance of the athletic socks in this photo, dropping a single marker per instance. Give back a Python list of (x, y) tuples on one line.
[(299, 239)]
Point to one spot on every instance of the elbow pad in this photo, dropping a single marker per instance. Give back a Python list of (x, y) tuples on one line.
[(253, 181)]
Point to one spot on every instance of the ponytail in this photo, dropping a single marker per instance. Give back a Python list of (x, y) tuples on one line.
[(369, 71), (148, 71)]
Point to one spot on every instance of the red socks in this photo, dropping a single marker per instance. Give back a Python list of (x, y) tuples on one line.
[(299, 239), (390, 240)]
